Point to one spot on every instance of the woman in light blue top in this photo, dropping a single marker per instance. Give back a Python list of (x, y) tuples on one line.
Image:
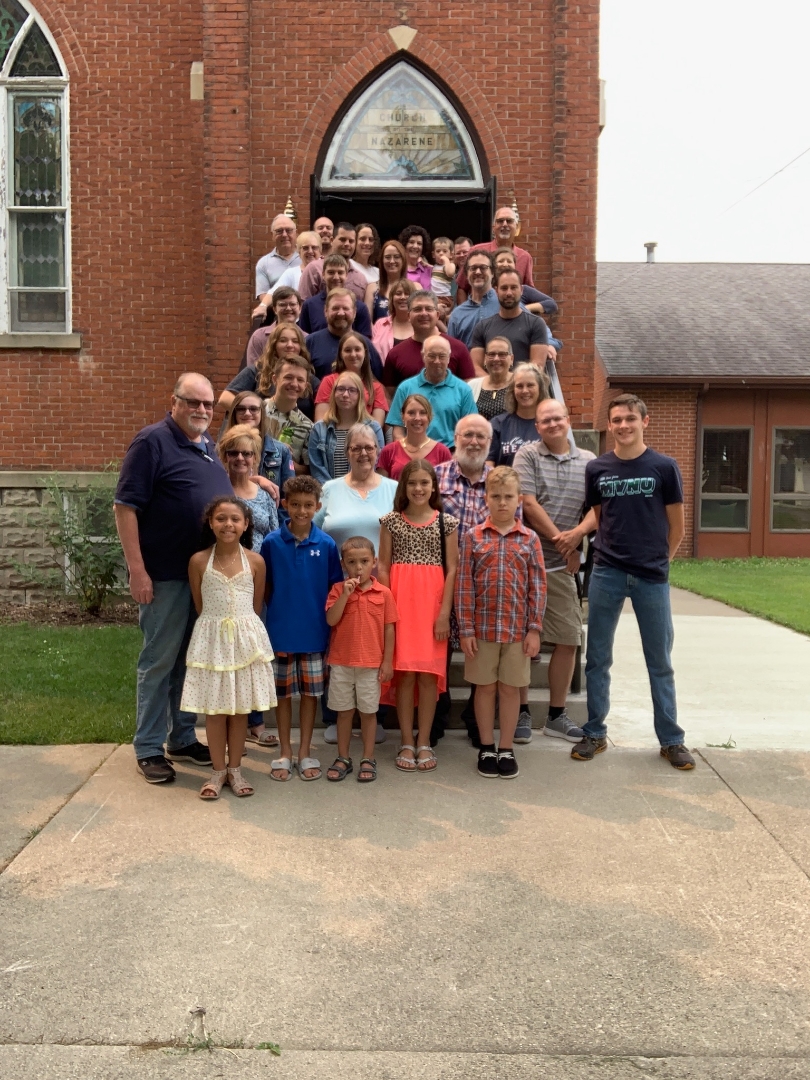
[(328, 458), (353, 504)]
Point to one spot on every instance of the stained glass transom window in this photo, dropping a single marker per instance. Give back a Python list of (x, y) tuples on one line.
[(35, 57), (403, 133), (12, 16)]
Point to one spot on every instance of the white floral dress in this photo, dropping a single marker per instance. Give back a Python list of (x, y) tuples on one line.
[(229, 659)]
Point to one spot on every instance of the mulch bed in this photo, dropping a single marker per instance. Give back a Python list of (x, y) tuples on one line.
[(67, 613)]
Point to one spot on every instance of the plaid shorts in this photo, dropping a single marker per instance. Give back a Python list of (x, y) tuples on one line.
[(299, 674)]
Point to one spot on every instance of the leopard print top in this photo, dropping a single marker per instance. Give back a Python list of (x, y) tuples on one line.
[(420, 544)]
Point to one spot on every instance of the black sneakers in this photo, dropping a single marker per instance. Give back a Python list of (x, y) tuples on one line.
[(678, 756), (196, 753), (487, 763), (588, 748), (507, 764), (156, 770)]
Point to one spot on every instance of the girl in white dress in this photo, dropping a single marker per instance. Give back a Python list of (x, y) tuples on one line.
[(228, 664)]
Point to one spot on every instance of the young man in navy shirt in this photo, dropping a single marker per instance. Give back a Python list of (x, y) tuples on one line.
[(303, 564), (637, 496)]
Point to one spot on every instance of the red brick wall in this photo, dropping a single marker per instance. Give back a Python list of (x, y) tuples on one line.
[(672, 431), (136, 179), (173, 199)]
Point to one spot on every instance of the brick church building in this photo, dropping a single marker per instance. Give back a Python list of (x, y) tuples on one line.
[(147, 147)]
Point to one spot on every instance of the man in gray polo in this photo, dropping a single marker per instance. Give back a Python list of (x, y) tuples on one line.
[(552, 480)]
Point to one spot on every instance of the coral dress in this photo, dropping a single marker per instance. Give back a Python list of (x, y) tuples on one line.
[(417, 582), (229, 659)]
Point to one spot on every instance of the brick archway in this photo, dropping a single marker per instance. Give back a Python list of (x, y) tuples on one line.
[(433, 56)]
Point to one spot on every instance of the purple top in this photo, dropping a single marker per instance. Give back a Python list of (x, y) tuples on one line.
[(421, 276)]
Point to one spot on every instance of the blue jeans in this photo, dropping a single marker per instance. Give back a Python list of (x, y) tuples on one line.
[(166, 624), (607, 592)]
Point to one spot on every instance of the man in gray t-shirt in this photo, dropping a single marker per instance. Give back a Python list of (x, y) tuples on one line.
[(528, 333), (552, 482)]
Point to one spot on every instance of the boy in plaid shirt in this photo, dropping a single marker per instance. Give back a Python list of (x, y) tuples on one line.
[(500, 599)]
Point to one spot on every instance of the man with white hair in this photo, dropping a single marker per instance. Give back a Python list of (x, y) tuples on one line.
[(462, 483), (170, 473), (449, 397), (271, 266)]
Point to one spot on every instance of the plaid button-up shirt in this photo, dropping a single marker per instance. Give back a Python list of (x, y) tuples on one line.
[(501, 583), (460, 498)]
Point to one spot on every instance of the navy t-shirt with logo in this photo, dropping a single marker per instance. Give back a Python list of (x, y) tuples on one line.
[(633, 496)]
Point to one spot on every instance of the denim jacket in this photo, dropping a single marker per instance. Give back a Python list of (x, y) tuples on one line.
[(322, 441), (276, 463)]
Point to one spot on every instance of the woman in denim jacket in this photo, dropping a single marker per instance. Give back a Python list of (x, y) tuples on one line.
[(327, 440), (275, 465)]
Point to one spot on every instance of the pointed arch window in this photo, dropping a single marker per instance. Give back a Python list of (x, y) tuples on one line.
[(402, 133), (34, 267)]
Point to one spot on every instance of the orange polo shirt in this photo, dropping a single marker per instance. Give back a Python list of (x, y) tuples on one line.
[(358, 640)]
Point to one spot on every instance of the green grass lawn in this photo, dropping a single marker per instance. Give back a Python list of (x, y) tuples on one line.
[(67, 684), (776, 589)]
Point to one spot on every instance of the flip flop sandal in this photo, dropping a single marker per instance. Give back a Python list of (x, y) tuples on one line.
[(279, 765), (309, 763), (238, 784), (368, 765), (342, 766), (409, 763), (427, 764), (213, 785), (265, 738)]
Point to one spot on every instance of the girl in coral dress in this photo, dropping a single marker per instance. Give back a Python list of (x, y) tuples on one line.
[(418, 561), (229, 661)]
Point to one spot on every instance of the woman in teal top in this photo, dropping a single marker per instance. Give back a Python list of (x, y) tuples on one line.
[(353, 504)]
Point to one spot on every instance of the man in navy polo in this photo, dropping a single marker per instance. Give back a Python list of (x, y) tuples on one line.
[(323, 344), (170, 473)]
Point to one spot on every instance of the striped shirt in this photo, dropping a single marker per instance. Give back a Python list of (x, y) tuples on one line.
[(558, 484), (501, 583)]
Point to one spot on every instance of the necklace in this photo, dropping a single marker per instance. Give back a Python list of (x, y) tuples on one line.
[(223, 565), (415, 449)]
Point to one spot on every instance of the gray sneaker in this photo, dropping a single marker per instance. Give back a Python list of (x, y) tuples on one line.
[(563, 728), (523, 731), (330, 734)]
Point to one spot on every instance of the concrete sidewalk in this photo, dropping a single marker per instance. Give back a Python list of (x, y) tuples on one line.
[(736, 676), (614, 919)]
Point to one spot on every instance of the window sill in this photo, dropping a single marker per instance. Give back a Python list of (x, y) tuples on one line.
[(40, 341)]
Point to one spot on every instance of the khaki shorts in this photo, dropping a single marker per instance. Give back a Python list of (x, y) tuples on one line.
[(354, 688), (562, 622), (498, 661)]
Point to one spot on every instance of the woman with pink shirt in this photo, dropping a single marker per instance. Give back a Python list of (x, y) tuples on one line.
[(353, 355), (416, 242), (396, 326)]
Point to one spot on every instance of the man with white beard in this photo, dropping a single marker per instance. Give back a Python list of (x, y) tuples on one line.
[(462, 483)]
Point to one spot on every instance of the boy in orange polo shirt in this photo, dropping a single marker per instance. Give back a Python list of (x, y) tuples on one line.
[(362, 614)]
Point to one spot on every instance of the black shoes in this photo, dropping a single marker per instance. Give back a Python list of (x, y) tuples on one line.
[(156, 770), (196, 753), (588, 748), (678, 756), (492, 763), (488, 763), (507, 764)]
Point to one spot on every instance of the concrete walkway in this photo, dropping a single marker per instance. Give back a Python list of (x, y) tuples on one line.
[(736, 676), (614, 919)]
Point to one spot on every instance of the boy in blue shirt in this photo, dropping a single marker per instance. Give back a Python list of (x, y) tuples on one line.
[(303, 564)]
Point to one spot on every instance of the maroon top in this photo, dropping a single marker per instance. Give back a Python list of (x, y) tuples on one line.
[(405, 361), (393, 458)]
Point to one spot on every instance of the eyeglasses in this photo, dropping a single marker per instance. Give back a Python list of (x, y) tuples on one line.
[(240, 453), (493, 355), (195, 403), (370, 450), (352, 390), (477, 268), (248, 408), (278, 232), (505, 221)]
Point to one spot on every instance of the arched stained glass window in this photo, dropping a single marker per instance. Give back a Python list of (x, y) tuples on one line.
[(34, 267), (403, 133)]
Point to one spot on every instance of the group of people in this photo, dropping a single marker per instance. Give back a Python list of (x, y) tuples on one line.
[(391, 483)]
